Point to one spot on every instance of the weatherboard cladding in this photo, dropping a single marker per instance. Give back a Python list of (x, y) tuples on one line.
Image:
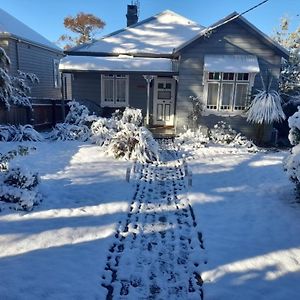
[(29, 58), (231, 38)]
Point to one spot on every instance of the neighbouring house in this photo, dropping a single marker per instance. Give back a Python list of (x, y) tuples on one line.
[(31, 52), (158, 63)]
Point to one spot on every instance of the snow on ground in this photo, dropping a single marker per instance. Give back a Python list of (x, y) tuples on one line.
[(250, 223), (242, 204), (58, 250)]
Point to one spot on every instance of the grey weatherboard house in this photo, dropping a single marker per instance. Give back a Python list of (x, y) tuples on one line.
[(158, 63), (31, 52)]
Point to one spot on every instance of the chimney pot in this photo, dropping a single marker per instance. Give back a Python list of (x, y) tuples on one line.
[(132, 15)]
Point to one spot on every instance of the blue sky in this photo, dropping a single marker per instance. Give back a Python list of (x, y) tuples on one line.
[(46, 17)]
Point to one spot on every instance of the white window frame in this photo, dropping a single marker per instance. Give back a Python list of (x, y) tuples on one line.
[(56, 74), (234, 82), (114, 102)]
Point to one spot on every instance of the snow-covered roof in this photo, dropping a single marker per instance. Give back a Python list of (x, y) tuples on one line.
[(159, 34), (128, 64), (231, 63), (11, 26)]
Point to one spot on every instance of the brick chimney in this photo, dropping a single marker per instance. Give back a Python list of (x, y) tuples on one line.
[(132, 15)]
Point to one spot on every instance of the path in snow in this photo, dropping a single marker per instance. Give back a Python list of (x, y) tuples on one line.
[(157, 252)]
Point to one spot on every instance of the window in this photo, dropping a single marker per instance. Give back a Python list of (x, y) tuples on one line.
[(114, 90), (227, 91), (56, 74)]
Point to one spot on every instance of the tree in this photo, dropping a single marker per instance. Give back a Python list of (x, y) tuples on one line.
[(290, 75), (14, 89), (85, 26)]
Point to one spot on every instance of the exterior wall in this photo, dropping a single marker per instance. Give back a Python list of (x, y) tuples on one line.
[(86, 88), (231, 38), (33, 59)]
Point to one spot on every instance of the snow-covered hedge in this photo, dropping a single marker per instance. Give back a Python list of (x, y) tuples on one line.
[(19, 133), (192, 139), (17, 186)]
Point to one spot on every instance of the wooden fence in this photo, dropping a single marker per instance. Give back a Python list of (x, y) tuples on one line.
[(44, 114)]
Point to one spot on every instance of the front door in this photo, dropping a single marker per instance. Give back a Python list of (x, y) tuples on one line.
[(163, 101)]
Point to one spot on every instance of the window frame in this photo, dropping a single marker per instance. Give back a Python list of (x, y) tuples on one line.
[(221, 81), (114, 103), (56, 74)]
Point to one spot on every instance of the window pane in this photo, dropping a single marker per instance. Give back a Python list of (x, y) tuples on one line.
[(160, 85), (168, 86), (227, 95), (120, 90), (108, 90), (214, 76), (167, 112), (241, 96), (159, 112), (212, 95), (228, 76), (243, 76)]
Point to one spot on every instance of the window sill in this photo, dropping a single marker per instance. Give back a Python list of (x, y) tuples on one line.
[(241, 113)]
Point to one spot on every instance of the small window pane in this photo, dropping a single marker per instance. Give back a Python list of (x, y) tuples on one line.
[(214, 76), (160, 85), (228, 76), (108, 90), (243, 76), (120, 90), (241, 96), (227, 95), (212, 95), (168, 86)]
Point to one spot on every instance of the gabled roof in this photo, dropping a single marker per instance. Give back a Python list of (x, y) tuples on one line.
[(10, 26), (159, 34), (235, 16)]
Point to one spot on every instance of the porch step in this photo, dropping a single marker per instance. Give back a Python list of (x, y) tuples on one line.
[(163, 132)]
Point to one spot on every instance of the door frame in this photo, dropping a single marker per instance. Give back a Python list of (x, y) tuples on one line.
[(155, 100)]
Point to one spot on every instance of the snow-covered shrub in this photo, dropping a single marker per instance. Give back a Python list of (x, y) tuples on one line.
[(78, 114), (146, 149), (18, 186), (14, 89), (132, 115), (133, 142), (69, 132), (294, 124), (76, 126), (265, 108), (103, 130), (222, 133), (192, 139), (19, 133)]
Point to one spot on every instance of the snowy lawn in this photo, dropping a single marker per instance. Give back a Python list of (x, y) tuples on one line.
[(58, 250), (250, 223)]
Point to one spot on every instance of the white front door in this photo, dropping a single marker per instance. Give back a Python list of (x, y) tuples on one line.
[(163, 101)]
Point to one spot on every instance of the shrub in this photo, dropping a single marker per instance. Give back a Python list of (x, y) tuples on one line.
[(69, 132), (19, 133)]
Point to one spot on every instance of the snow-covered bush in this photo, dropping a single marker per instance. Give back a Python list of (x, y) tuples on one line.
[(132, 115), (76, 125), (197, 109), (103, 130), (14, 89), (69, 132), (19, 133), (132, 142), (265, 108), (17, 186), (294, 124), (192, 139), (222, 133)]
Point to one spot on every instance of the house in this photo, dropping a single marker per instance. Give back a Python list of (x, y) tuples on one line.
[(158, 63), (31, 52)]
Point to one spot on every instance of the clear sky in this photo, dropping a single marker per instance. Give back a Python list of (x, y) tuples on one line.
[(46, 16)]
